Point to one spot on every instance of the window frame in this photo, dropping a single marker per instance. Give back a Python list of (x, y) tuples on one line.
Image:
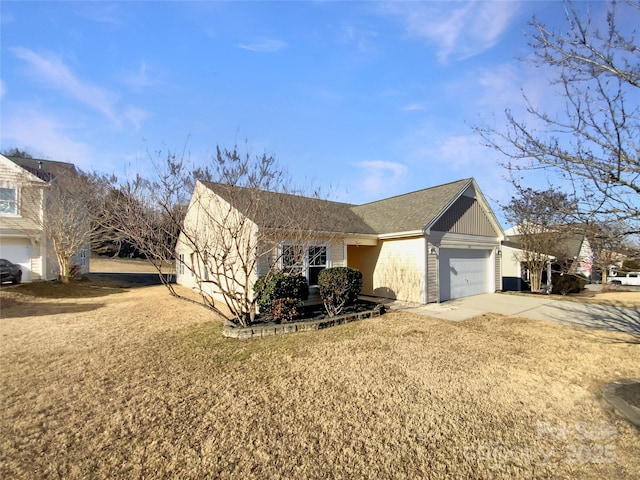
[(309, 261), (15, 201)]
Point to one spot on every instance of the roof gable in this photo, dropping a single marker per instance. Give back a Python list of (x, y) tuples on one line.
[(411, 211), (19, 171), (45, 170), (465, 216)]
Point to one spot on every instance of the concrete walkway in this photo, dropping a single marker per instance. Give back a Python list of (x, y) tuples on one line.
[(620, 319)]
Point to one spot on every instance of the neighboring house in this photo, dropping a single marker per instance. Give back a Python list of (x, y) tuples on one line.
[(23, 192), (427, 246), (572, 253)]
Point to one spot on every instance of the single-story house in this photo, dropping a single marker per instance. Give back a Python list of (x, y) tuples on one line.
[(24, 183), (427, 246), (572, 253)]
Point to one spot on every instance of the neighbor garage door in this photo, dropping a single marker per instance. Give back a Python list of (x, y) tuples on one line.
[(18, 251), (464, 273)]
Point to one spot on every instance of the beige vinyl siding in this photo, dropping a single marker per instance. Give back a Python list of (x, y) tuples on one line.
[(26, 225), (336, 254), (399, 270), (363, 258), (466, 216), (198, 225), (28, 218)]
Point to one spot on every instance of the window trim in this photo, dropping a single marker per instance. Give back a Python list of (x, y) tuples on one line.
[(306, 261), (16, 202), (181, 264)]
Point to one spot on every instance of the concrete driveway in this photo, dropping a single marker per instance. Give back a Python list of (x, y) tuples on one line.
[(620, 319)]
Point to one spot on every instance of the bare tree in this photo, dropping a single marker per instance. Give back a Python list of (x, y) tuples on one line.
[(540, 218), (250, 223), (147, 213), (67, 219), (592, 146), (235, 218), (58, 207)]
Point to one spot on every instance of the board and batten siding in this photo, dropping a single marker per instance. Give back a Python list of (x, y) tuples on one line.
[(466, 216), (433, 272)]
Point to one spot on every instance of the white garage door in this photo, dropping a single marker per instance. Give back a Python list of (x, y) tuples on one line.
[(464, 273), (18, 251)]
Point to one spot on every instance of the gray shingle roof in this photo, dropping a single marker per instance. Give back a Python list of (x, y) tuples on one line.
[(402, 213), (44, 169), (411, 211), (277, 210)]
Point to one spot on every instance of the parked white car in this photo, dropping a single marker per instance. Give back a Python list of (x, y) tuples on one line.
[(631, 278)]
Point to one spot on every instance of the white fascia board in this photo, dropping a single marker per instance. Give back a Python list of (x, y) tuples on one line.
[(488, 210), (365, 240), (410, 233), (459, 240)]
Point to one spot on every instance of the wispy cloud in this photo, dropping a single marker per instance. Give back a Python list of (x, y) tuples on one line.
[(362, 38), (138, 79), (3, 88), (264, 45), (467, 30), (413, 107), (53, 73), (378, 177), (44, 135), (135, 115), (102, 12)]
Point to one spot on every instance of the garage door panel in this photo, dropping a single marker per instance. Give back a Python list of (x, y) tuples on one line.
[(463, 273), (17, 251)]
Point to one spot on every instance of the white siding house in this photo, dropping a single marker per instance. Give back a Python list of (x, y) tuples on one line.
[(23, 194), (426, 246)]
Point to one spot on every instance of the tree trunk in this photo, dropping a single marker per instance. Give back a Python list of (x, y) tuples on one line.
[(64, 263), (536, 278)]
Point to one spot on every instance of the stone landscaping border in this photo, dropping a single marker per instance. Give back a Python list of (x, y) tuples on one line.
[(269, 329)]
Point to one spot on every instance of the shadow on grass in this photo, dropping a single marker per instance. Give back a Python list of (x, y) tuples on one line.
[(74, 289), (609, 317), (124, 280), (12, 308), (93, 285)]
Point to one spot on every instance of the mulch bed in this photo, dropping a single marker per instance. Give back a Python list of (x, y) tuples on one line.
[(310, 313)]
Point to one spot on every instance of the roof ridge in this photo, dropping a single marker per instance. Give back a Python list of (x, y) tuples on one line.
[(415, 191), (297, 195)]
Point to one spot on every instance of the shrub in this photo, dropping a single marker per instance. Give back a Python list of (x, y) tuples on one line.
[(567, 283), (280, 285), (284, 309), (339, 287)]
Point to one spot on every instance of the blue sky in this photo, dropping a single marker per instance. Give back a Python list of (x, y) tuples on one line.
[(372, 98)]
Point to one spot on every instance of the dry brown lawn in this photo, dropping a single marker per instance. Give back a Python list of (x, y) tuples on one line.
[(115, 383)]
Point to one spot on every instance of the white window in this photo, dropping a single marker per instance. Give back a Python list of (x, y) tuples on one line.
[(82, 256), (8, 201), (308, 262), (181, 264)]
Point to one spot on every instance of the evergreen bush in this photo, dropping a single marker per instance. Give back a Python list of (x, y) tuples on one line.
[(339, 287), (280, 285)]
